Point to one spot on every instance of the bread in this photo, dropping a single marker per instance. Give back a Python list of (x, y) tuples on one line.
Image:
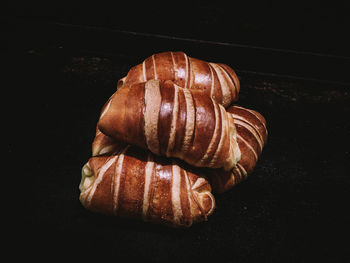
[(167, 138), (251, 137), (173, 122), (134, 183), (215, 80)]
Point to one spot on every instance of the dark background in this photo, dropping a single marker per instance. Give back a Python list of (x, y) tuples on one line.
[(63, 60)]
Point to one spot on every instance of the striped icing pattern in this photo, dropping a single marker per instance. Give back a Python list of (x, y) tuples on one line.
[(251, 138), (216, 80), (137, 184), (173, 122)]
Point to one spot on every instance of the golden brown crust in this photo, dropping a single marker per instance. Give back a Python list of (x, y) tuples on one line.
[(171, 106), (216, 80), (251, 133), (251, 138), (137, 184), (151, 115), (103, 144)]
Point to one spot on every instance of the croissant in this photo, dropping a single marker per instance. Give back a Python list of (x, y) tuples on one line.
[(216, 80), (251, 137), (134, 183), (173, 122)]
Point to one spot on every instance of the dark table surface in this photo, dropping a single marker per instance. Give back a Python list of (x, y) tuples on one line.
[(293, 208)]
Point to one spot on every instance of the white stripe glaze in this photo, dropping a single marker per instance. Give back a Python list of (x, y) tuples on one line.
[(148, 177), (187, 74), (243, 170), (151, 114), (236, 170), (116, 178), (212, 81), (243, 122), (190, 74), (199, 182), (190, 119), (225, 87), (99, 178), (144, 71), (252, 112), (196, 187), (224, 129), (154, 68), (229, 82), (249, 146), (189, 194), (215, 133), (172, 134), (175, 193), (107, 107)]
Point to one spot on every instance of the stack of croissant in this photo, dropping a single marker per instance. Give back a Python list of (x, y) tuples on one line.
[(167, 138)]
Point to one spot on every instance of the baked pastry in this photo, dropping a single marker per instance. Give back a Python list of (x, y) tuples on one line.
[(251, 137), (215, 80), (173, 122), (164, 141), (134, 183)]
